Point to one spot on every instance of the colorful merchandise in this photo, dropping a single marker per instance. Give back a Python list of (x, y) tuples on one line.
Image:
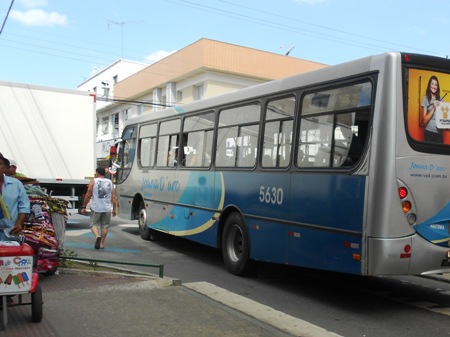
[(40, 233)]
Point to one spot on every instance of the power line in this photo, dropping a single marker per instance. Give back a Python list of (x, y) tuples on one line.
[(132, 102), (6, 17), (348, 41), (279, 22)]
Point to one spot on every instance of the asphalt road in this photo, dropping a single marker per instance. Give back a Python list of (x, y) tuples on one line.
[(347, 305)]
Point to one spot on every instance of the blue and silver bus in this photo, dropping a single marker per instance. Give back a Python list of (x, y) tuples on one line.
[(333, 169)]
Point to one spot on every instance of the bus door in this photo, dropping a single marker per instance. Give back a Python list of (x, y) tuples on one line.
[(161, 205)]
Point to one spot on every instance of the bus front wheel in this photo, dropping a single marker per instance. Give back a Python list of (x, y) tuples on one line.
[(236, 245), (144, 231)]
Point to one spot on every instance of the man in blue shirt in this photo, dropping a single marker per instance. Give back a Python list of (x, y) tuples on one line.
[(15, 204)]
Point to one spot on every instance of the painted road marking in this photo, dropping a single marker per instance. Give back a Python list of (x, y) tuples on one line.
[(278, 319), (77, 232), (107, 248), (128, 225)]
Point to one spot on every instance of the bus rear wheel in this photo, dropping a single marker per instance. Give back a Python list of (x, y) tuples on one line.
[(144, 231), (236, 245)]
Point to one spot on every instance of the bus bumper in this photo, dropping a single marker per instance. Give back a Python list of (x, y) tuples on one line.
[(412, 255)]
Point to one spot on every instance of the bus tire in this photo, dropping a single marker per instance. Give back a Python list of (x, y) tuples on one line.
[(144, 231), (236, 245)]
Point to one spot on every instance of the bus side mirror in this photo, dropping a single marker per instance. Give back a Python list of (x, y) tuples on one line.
[(112, 154)]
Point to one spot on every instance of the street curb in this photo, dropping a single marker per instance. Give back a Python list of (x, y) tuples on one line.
[(442, 278), (162, 282)]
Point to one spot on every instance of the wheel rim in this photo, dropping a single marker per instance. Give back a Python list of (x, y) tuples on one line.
[(143, 219), (235, 245)]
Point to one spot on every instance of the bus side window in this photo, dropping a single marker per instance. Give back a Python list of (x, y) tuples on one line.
[(303, 160), (247, 146), (322, 158), (343, 134), (198, 140), (236, 136), (334, 140), (278, 130), (197, 149), (167, 155), (172, 158), (183, 149), (285, 143), (316, 136), (146, 145), (147, 151), (358, 138), (130, 148), (226, 147)]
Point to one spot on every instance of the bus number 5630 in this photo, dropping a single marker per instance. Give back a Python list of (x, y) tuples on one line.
[(271, 195)]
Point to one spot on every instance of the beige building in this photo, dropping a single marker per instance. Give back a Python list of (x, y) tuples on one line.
[(203, 69)]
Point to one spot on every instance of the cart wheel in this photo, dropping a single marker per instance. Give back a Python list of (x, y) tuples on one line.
[(36, 305), (51, 271)]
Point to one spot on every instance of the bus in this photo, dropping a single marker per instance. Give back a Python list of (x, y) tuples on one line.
[(332, 169)]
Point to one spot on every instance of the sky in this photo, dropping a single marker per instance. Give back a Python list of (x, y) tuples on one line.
[(61, 43)]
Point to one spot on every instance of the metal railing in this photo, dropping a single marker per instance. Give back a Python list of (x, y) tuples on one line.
[(160, 266)]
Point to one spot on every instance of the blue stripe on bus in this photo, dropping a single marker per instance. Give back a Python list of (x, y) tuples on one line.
[(437, 228)]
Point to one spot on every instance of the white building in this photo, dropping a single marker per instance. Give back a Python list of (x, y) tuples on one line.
[(203, 69), (102, 84)]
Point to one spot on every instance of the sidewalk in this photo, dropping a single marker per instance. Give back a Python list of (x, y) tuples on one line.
[(116, 305)]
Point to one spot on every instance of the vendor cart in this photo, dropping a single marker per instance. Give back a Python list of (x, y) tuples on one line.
[(44, 230), (17, 278)]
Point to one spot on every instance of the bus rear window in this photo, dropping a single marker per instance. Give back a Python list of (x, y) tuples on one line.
[(428, 108)]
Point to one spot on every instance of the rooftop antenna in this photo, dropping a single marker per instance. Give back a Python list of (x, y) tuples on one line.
[(287, 54), (117, 23), (121, 24)]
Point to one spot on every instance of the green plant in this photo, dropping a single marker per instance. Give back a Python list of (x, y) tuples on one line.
[(67, 263)]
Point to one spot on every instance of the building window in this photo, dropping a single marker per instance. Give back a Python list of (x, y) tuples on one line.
[(116, 79), (198, 92), (103, 126), (116, 124), (179, 96)]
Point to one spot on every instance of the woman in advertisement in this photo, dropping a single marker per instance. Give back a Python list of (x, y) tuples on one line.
[(430, 102)]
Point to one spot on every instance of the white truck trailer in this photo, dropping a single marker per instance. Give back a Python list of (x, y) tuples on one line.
[(50, 133)]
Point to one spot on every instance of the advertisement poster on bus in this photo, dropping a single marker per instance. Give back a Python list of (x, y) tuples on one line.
[(429, 106)]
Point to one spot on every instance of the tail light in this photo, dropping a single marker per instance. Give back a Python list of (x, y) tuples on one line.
[(407, 203)]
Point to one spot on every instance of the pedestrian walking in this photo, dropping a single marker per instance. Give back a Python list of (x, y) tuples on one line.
[(102, 195)]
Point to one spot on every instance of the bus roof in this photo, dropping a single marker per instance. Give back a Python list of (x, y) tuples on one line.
[(346, 69)]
